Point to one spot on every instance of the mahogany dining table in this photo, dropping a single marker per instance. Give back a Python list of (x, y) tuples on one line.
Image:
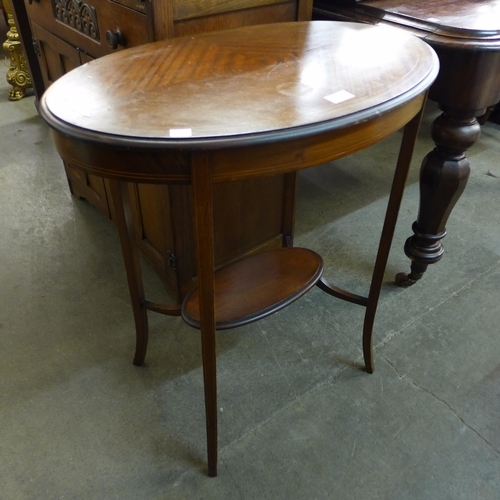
[(466, 37)]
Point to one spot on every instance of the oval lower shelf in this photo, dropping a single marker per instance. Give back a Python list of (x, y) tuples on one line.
[(257, 286)]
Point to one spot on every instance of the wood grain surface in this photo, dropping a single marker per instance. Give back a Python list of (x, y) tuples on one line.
[(243, 82), (257, 286)]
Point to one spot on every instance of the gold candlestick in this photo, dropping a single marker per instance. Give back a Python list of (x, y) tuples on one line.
[(18, 75)]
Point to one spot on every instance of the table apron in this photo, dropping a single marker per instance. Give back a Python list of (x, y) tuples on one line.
[(140, 164), (297, 154)]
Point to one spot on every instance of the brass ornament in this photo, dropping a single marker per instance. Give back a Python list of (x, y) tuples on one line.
[(18, 74)]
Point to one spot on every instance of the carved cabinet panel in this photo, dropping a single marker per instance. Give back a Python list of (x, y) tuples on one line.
[(94, 27)]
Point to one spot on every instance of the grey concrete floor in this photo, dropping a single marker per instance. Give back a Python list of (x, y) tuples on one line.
[(299, 419)]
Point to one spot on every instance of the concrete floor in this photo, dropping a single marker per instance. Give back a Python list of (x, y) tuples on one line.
[(299, 419)]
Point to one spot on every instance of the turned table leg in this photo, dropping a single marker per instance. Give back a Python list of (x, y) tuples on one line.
[(443, 177)]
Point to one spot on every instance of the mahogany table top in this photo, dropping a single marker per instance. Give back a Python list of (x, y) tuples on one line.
[(241, 86)]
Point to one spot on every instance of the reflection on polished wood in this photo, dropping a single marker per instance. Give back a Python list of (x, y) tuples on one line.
[(466, 37), (18, 73), (233, 105)]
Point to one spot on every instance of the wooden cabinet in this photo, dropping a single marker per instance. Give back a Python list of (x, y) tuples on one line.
[(90, 27), (253, 215)]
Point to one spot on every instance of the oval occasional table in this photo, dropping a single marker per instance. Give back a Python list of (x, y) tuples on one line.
[(234, 105)]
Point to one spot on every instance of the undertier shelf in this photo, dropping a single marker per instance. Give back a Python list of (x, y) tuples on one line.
[(257, 286)]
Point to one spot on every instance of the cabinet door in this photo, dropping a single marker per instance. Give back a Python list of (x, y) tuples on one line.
[(250, 216), (97, 27), (151, 212), (56, 57)]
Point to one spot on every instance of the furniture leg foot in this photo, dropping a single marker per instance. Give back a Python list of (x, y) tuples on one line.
[(443, 177), (212, 470), (367, 343), (140, 351), (405, 280), (141, 328)]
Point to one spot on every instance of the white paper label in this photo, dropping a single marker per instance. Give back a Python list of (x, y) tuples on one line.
[(340, 96), (180, 132)]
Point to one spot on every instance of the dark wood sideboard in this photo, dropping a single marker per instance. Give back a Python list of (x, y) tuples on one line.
[(251, 215)]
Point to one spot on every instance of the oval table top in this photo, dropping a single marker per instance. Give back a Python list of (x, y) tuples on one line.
[(240, 87)]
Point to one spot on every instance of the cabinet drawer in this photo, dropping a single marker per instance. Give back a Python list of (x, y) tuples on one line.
[(86, 24), (185, 9)]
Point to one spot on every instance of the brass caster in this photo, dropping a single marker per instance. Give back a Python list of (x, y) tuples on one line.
[(404, 280)]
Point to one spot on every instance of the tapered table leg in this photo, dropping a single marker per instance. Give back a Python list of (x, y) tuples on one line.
[(391, 217), (204, 236)]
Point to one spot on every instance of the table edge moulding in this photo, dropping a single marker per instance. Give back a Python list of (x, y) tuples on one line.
[(329, 99)]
